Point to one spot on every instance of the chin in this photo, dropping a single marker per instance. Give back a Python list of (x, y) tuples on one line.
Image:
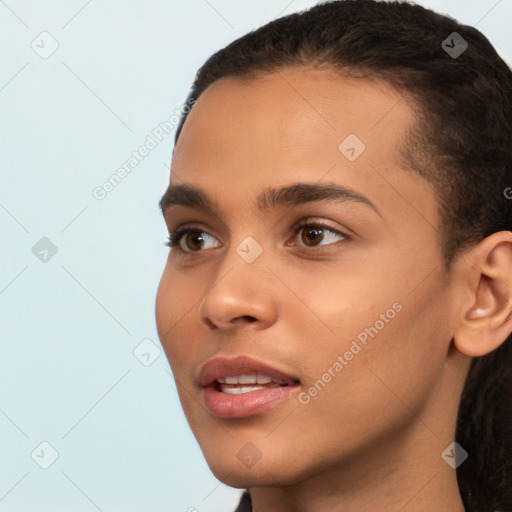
[(237, 469), (245, 478)]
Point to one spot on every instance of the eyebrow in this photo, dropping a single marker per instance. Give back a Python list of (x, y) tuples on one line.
[(271, 198)]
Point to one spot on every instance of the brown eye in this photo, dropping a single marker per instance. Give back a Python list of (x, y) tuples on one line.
[(312, 235), (190, 240), (317, 234), (194, 240)]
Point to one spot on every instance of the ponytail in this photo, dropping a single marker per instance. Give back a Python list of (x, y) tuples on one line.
[(484, 430)]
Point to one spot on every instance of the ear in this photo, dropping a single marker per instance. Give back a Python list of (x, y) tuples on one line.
[(485, 319)]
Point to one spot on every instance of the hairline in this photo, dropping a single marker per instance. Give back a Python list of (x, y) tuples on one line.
[(407, 146)]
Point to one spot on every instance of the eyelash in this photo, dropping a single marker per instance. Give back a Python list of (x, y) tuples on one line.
[(174, 239)]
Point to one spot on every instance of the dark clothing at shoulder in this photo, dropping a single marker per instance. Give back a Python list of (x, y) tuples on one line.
[(245, 504)]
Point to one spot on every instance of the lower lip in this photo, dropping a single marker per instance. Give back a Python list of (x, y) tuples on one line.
[(224, 405)]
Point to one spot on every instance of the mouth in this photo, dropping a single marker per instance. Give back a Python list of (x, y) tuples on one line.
[(240, 387), (237, 385)]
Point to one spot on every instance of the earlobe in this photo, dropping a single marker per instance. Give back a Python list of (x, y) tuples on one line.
[(486, 318)]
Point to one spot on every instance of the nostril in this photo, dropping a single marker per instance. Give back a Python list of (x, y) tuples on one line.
[(237, 320), (210, 324), (246, 318)]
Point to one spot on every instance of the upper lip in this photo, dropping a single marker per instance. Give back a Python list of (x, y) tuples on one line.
[(220, 367)]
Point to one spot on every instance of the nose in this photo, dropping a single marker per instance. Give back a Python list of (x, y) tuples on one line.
[(240, 295)]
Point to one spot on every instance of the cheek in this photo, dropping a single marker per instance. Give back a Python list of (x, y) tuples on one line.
[(333, 306), (164, 307), (392, 338), (174, 305)]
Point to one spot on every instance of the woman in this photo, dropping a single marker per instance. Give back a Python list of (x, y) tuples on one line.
[(337, 302)]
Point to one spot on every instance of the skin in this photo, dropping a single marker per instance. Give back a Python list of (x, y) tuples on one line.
[(372, 438)]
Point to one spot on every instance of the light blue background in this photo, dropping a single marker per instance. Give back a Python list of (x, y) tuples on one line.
[(69, 326)]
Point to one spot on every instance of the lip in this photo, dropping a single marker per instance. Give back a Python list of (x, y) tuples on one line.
[(220, 367), (223, 405)]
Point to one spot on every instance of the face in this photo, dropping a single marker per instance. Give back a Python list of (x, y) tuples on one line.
[(306, 312)]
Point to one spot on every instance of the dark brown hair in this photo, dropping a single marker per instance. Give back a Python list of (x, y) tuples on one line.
[(461, 143)]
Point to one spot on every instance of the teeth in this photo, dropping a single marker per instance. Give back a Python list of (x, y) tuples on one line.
[(240, 390), (251, 378), (263, 379), (247, 379)]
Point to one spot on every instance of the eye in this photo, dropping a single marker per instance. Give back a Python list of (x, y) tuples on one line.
[(194, 239), (315, 233), (312, 234)]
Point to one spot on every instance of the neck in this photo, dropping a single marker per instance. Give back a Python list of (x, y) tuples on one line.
[(408, 475)]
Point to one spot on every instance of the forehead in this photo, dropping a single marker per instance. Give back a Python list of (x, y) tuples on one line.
[(294, 104), (299, 125)]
